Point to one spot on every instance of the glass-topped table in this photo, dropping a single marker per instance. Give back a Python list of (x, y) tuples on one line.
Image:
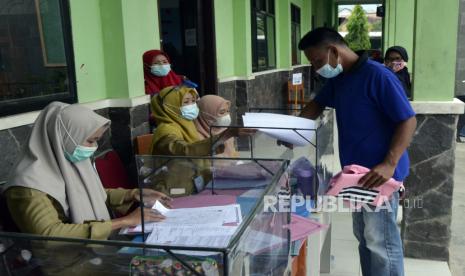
[(257, 244)]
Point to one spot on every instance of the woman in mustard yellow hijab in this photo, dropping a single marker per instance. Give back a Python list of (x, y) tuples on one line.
[(175, 110)]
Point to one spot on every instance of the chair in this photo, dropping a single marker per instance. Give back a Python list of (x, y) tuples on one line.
[(111, 171), (143, 144), (7, 223)]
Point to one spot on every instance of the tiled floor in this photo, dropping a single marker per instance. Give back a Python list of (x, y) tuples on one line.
[(345, 260)]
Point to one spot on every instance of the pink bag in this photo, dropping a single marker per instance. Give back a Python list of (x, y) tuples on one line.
[(345, 185)]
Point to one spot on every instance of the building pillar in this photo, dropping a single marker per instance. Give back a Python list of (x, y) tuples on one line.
[(427, 207), (128, 30), (434, 52), (433, 38), (283, 33)]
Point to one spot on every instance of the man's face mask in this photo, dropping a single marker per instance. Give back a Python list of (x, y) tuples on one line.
[(327, 71), (190, 112), (160, 70)]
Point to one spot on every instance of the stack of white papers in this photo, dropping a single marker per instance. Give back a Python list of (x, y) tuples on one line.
[(192, 235), (206, 216), (287, 123), (211, 226)]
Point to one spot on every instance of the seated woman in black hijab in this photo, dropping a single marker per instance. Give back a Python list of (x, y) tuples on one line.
[(396, 58)]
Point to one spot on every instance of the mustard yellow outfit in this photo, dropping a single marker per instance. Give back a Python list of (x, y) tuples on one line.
[(48, 194), (36, 212), (176, 136)]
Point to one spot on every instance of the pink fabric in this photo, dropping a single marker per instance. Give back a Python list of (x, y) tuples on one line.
[(195, 201), (302, 227), (350, 176)]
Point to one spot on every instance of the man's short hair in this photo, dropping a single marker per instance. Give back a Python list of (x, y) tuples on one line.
[(320, 37)]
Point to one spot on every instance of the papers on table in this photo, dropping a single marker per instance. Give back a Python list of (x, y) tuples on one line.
[(192, 235), (211, 226), (206, 216), (295, 137)]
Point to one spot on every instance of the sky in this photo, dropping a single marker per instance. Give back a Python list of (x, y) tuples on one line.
[(367, 8)]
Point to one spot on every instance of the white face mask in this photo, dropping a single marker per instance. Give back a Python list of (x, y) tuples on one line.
[(327, 71), (224, 120)]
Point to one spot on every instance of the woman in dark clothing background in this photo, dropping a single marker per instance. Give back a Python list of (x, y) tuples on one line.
[(396, 58)]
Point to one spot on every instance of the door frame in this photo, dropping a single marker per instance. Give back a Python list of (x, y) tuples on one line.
[(206, 44)]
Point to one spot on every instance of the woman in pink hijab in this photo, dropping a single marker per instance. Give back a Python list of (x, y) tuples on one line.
[(215, 111)]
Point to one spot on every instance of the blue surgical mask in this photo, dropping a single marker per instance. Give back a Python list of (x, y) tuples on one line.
[(160, 70), (190, 112), (327, 71), (81, 153)]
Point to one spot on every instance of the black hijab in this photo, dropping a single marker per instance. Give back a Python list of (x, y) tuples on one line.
[(403, 74)]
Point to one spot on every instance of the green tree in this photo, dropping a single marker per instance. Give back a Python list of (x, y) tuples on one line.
[(358, 27)]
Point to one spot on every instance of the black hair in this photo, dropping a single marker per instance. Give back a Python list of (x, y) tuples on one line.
[(321, 36)]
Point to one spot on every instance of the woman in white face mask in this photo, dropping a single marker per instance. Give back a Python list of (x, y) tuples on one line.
[(215, 111)]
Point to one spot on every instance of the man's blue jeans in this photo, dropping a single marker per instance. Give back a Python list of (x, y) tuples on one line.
[(380, 245)]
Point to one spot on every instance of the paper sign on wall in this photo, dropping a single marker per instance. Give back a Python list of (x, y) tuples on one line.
[(190, 36), (296, 78)]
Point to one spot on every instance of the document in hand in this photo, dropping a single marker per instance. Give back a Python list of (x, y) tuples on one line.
[(288, 127)]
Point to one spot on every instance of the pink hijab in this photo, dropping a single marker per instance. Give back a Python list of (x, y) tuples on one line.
[(209, 106)]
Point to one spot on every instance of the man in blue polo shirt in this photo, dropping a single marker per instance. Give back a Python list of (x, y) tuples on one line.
[(376, 124)]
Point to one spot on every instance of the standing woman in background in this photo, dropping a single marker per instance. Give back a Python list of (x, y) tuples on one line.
[(396, 59)]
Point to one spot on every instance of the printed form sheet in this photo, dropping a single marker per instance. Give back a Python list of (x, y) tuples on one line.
[(211, 226)]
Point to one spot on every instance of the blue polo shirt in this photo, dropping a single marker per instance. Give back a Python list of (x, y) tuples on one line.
[(370, 102)]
